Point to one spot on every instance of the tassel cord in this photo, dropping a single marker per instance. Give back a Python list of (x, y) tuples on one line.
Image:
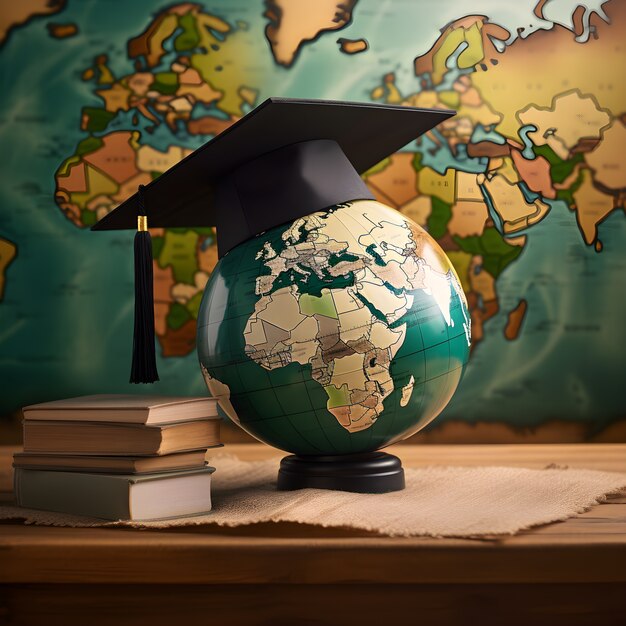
[(143, 368)]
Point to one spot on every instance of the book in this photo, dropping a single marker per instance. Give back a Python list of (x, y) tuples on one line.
[(116, 497), (111, 464), (113, 439), (124, 408)]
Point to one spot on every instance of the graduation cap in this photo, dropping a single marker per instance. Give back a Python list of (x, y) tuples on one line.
[(285, 159)]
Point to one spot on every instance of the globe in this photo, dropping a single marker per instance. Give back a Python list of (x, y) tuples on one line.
[(340, 333)]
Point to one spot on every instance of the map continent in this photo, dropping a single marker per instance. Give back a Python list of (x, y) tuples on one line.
[(523, 155), (108, 165)]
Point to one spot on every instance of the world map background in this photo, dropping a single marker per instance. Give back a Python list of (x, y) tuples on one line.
[(524, 187)]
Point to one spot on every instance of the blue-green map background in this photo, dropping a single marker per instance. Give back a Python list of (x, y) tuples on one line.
[(66, 311)]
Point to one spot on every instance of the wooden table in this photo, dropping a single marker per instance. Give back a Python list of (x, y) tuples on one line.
[(572, 572)]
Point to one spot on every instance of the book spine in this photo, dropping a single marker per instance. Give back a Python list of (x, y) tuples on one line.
[(105, 497), (112, 416)]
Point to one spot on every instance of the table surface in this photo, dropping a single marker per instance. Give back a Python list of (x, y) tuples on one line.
[(294, 553)]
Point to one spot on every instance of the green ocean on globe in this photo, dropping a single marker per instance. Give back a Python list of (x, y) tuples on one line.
[(340, 333)]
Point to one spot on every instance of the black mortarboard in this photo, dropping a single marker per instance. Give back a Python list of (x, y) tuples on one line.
[(285, 159)]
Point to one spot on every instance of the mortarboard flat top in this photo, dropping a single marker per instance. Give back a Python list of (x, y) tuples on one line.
[(285, 159)]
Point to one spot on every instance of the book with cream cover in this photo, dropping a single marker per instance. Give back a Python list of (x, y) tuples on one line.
[(111, 464), (116, 497), (124, 408), (99, 438)]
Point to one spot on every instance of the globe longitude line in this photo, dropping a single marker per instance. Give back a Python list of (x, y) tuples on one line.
[(448, 347), (304, 367), (423, 394), (395, 408), (339, 216), (314, 409), (374, 225), (235, 274), (433, 378), (288, 417), (423, 349)]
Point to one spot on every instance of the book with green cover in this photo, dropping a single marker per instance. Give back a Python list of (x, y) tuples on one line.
[(116, 497)]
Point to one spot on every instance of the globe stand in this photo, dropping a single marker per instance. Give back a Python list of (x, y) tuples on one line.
[(372, 472)]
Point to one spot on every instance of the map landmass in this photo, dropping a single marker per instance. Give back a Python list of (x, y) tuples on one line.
[(8, 252), (293, 23), (514, 320), (352, 46), (576, 120), (62, 31), (19, 14), (528, 143)]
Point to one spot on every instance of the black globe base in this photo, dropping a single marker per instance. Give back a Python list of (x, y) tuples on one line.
[(372, 472)]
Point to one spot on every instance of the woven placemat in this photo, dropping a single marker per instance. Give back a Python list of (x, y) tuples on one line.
[(438, 501)]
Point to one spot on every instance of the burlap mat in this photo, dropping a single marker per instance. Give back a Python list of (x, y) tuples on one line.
[(437, 502)]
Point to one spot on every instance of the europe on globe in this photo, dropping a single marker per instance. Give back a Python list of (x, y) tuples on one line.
[(339, 333)]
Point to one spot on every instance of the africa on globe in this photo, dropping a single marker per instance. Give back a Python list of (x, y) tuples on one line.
[(340, 333)]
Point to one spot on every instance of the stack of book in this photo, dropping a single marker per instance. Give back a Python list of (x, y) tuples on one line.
[(118, 457)]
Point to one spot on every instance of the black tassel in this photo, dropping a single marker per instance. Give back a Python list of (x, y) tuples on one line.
[(143, 369)]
